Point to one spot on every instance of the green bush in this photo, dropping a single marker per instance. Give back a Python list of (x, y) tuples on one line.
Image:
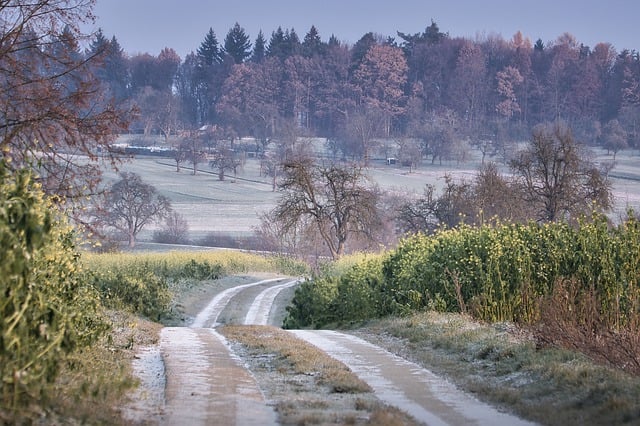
[(202, 270), (499, 273), (345, 291), (139, 291), (46, 312)]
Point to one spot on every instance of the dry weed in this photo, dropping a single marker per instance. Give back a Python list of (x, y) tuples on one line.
[(303, 357)]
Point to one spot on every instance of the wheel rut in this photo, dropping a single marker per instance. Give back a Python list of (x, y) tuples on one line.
[(205, 383)]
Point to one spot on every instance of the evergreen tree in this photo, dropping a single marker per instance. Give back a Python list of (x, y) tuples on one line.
[(208, 78), (333, 41), (277, 42), (361, 48), (98, 44), (111, 66), (284, 44), (259, 49), (209, 51), (312, 44), (292, 43), (237, 44), (432, 34)]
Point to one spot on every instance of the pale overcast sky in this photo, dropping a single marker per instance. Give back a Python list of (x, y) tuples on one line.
[(150, 25)]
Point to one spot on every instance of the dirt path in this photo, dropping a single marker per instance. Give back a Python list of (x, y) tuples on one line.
[(260, 309), (403, 384), (205, 383), (396, 381)]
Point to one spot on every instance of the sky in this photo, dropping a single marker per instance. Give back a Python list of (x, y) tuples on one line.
[(148, 26)]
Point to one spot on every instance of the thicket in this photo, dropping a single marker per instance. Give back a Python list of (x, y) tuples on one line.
[(571, 284), (46, 311), (144, 283)]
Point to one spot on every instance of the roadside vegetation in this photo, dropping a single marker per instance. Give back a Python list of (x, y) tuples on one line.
[(502, 365), (71, 321), (527, 316)]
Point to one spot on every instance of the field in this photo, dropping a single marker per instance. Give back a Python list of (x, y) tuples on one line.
[(232, 206)]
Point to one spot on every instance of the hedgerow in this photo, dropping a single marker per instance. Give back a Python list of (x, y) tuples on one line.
[(505, 272), (144, 283)]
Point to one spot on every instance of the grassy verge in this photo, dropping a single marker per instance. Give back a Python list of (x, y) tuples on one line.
[(301, 357), (94, 383), (309, 387), (503, 366)]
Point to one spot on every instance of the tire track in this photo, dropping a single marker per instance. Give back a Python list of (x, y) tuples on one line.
[(208, 317), (260, 309), (395, 381), (205, 383), (406, 385)]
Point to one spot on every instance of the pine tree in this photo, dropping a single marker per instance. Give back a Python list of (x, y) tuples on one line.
[(209, 51), (237, 44), (292, 43), (111, 67), (277, 42), (259, 48), (312, 44)]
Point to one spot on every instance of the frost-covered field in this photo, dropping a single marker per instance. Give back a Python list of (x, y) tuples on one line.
[(233, 206)]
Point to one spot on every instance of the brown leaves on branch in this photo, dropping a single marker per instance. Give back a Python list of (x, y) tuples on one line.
[(53, 112)]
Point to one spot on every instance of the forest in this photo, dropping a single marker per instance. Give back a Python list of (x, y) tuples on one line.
[(432, 92)]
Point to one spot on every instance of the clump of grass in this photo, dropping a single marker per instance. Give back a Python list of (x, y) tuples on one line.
[(302, 357), (501, 364)]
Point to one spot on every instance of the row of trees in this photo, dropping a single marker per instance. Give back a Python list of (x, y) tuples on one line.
[(430, 87)]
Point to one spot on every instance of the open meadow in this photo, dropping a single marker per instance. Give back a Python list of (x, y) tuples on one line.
[(232, 207)]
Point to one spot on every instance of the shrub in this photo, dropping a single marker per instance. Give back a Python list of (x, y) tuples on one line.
[(138, 291), (47, 312), (500, 273)]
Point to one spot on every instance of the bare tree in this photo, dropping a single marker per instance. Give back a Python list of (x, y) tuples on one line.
[(191, 148), (132, 204), (224, 159), (53, 112), (556, 176), (419, 214), (175, 231), (333, 199)]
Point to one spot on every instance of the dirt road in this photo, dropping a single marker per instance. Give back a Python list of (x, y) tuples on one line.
[(205, 383)]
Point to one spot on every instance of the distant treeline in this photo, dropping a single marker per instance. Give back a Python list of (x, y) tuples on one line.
[(440, 91)]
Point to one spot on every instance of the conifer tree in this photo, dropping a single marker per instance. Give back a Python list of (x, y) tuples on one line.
[(259, 48), (237, 44), (209, 51), (312, 44), (277, 42)]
